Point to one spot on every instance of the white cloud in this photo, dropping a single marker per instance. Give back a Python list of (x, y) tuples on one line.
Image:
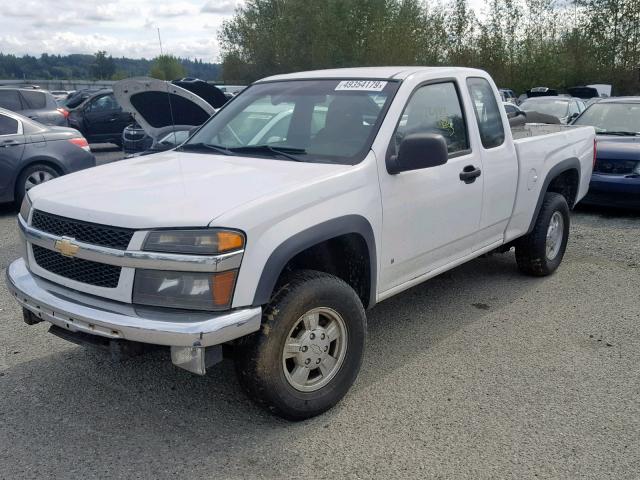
[(121, 27), (223, 7)]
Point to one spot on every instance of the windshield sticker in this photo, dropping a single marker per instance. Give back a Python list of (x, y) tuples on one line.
[(362, 85)]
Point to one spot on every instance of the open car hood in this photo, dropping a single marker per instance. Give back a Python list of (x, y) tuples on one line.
[(583, 92), (157, 104)]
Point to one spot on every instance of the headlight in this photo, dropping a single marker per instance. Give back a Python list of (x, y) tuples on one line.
[(187, 290), (198, 242), (25, 208)]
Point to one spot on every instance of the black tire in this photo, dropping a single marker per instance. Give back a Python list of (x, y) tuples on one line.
[(26, 173), (259, 357), (531, 250)]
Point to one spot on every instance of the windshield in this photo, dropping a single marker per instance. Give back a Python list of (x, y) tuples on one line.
[(556, 108), (614, 117), (331, 121)]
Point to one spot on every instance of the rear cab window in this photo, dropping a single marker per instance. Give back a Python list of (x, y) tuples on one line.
[(487, 112)]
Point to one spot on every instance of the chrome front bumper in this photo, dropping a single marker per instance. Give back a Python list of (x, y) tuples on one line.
[(187, 333)]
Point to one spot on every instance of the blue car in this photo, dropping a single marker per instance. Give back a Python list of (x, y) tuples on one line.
[(616, 174)]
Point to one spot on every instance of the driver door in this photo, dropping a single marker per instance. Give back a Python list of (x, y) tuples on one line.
[(103, 118), (430, 215)]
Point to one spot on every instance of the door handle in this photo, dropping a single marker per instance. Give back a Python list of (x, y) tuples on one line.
[(469, 174), (9, 143)]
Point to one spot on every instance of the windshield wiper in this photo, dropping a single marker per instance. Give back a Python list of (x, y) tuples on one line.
[(621, 133), (282, 151), (205, 146)]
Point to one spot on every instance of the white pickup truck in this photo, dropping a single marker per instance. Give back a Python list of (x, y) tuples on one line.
[(305, 200)]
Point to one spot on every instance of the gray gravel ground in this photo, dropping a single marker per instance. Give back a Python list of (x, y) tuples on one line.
[(479, 373)]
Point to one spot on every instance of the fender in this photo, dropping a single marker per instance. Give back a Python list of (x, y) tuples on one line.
[(308, 238), (563, 166)]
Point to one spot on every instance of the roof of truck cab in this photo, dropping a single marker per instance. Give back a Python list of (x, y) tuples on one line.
[(377, 73)]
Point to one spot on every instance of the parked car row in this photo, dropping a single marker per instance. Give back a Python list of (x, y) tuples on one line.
[(148, 116)]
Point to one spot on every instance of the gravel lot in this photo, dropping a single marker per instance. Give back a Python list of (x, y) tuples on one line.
[(478, 373)]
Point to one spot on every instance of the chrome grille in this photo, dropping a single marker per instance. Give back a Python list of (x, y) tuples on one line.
[(103, 235), (78, 269)]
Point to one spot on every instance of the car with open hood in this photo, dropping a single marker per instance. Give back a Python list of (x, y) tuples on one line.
[(159, 107)]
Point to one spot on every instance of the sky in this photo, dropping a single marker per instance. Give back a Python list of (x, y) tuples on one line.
[(121, 27), (189, 28)]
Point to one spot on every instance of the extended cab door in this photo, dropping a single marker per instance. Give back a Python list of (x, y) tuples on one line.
[(430, 216), (499, 161)]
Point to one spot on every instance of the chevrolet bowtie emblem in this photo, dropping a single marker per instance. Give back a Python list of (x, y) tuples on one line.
[(66, 247)]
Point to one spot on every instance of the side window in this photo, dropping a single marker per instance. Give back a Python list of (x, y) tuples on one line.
[(34, 99), (103, 104), (511, 111), (573, 108), (8, 125), (10, 100), (487, 112), (435, 109)]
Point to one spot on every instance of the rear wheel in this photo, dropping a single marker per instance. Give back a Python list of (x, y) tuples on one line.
[(540, 252), (31, 176), (309, 349)]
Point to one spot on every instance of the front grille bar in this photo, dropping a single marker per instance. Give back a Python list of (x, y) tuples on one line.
[(136, 258)]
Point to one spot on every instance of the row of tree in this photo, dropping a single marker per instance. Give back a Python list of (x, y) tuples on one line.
[(102, 66), (522, 43)]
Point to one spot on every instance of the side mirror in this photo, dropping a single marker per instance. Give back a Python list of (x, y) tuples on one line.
[(417, 151), (521, 112), (573, 116)]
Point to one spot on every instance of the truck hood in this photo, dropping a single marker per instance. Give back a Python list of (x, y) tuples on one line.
[(157, 104), (172, 189)]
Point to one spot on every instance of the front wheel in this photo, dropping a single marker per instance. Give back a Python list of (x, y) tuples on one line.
[(540, 252), (308, 352)]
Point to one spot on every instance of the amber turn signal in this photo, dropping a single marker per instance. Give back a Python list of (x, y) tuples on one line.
[(222, 290), (228, 241)]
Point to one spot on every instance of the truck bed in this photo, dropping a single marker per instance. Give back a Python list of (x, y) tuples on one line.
[(539, 148), (529, 130)]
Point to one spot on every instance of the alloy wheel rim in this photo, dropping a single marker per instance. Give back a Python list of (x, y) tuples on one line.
[(555, 232), (36, 178), (315, 349)]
